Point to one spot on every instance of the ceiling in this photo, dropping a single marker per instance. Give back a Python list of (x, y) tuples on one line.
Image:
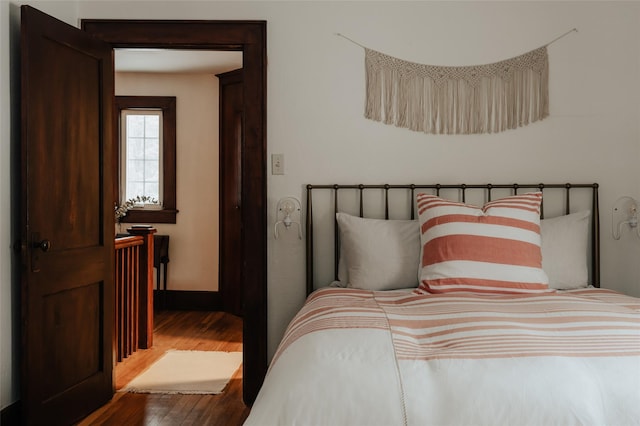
[(176, 61)]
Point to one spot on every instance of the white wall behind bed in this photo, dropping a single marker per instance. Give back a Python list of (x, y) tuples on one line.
[(592, 134), (315, 111)]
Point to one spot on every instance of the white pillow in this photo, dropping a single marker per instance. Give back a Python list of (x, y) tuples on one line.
[(565, 241), (379, 254)]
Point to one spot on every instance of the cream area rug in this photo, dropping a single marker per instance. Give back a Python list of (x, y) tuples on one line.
[(187, 372)]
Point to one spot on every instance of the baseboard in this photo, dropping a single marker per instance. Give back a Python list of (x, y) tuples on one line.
[(11, 415), (186, 300)]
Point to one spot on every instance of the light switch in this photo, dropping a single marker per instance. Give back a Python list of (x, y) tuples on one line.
[(277, 164)]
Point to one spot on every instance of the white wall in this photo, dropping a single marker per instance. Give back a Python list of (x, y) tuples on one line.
[(315, 105), (193, 242)]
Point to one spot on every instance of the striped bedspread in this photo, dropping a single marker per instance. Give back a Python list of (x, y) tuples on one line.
[(354, 357)]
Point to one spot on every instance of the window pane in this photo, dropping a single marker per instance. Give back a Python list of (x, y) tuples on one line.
[(135, 170), (151, 126), (151, 171), (135, 148), (143, 154), (134, 189), (152, 149), (151, 189), (135, 126)]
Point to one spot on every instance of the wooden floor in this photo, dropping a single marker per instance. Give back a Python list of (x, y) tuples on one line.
[(209, 331)]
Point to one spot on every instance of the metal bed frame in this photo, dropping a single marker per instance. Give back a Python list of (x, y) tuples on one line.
[(463, 189)]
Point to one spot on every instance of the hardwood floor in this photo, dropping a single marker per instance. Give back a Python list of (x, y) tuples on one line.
[(211, 331)]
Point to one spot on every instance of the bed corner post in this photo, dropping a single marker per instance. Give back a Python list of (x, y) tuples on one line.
[(309, 242), (595, 238)]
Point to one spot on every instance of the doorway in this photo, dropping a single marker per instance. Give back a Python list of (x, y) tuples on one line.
[(249, 37), (188, 84)]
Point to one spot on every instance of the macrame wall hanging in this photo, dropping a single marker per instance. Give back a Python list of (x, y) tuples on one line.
[(487, 98)]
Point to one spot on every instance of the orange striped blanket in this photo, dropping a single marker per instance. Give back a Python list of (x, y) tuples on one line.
[(403, 358), (591, 322)]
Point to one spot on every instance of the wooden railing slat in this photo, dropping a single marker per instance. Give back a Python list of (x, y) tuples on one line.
[(134, 292)]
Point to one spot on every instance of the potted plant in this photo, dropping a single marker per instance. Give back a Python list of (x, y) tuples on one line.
[(140, 201)]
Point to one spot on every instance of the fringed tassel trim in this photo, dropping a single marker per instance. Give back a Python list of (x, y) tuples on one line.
[(457, 100)]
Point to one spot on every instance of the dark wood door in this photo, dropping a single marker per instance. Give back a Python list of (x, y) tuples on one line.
[(231, 139), (67, 221)]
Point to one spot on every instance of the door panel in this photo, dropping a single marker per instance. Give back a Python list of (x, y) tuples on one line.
[(74, 164), (69, 317), (67, 221)]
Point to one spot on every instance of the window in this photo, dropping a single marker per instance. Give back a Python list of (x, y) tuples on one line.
[(141, 140), (147, 156)]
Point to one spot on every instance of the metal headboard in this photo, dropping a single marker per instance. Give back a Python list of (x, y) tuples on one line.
[(463, 190)]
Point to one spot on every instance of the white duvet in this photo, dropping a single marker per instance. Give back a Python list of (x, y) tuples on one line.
[(353, 357)]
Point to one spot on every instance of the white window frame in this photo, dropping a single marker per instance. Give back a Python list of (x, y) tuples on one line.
[(124, 113)]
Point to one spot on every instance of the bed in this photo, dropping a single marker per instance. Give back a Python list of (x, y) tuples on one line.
[(475, 305)]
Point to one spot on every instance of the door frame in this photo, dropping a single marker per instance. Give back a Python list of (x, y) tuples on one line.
[(249, 37)]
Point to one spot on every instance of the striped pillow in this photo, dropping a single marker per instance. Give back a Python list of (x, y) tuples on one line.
[(489, 249)]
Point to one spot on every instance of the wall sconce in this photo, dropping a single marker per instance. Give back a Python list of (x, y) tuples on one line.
[(625, 212), (285, 211)]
